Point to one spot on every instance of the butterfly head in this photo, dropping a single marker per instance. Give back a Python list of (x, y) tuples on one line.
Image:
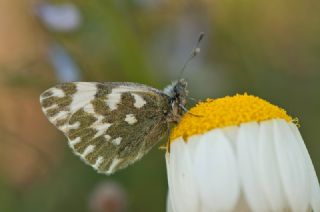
[(178, 94)]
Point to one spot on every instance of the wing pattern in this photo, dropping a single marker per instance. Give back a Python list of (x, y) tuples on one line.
[(109, 125)]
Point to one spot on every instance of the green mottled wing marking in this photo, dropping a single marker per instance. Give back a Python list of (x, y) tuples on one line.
[(109, 125)]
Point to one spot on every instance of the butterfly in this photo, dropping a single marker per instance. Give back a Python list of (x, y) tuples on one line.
[(113, 124)]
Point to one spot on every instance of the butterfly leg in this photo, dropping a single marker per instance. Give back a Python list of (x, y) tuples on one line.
[(188, 112)]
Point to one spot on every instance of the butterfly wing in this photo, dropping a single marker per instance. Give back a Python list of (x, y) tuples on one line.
[(109, 125)]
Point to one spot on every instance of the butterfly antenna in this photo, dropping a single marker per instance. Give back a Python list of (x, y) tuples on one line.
[(194, 52)]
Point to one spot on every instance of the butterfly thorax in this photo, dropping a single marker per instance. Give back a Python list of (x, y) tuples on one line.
[(178, 94)]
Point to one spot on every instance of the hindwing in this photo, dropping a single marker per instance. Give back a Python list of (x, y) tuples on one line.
[(109, 125)]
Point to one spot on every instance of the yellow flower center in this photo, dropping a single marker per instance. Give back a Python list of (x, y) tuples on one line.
[(227, 111)]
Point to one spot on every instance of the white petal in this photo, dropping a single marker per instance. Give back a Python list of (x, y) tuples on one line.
[(182, 186), (231, 133), (269, 168), (292, 166), (169, 204), (171, 191), (247, 152), (314, 183), (216, 172)]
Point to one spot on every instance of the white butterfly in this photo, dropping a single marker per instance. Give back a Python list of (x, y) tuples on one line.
[(111, 125)]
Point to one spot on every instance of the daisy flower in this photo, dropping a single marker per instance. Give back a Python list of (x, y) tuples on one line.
[(239, 153)]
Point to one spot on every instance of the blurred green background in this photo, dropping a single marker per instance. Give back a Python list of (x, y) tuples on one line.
[(270, 49)]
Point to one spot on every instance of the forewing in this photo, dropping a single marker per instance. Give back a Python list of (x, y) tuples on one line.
[(109, 125)]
